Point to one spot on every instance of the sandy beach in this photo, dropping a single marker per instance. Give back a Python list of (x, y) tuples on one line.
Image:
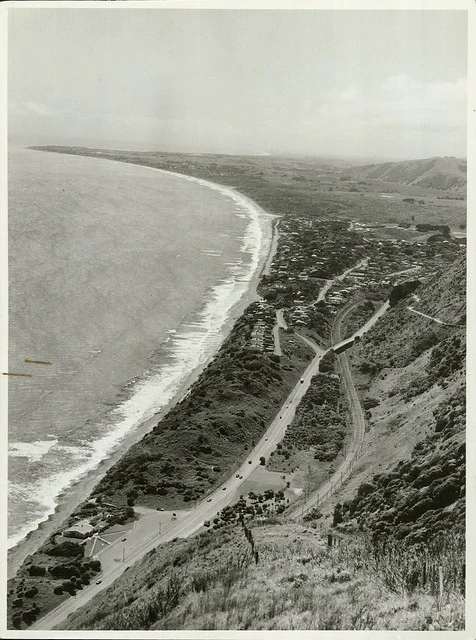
[(77, 492)]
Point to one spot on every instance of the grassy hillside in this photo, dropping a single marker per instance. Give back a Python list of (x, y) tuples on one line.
[(214, 582), (446, 173)]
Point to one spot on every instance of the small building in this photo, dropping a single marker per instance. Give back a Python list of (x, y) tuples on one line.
[(81, 529)]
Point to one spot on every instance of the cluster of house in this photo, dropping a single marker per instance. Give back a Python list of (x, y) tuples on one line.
[(308, 248), (261, 338)]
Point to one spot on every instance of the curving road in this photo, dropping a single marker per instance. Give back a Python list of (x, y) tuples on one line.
[(355, 409), (190, 522)]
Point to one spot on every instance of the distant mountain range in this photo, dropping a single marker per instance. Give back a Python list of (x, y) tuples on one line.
[(447, 173)]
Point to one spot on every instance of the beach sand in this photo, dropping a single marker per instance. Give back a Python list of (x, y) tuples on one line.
[(76, 493)]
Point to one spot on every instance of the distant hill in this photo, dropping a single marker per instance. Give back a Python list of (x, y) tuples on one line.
[(446, 174)]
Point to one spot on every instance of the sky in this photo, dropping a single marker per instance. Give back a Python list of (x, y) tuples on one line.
[(367, 84)]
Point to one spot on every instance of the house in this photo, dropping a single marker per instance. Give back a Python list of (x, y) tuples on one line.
[(81, 529)]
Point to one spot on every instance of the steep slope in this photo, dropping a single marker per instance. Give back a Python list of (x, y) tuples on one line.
[(412, 366), (213, 583), (448, 173)]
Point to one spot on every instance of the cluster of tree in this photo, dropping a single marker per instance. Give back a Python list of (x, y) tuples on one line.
[(442, 228), (424, 495), (327, 362), (38, 579), (318, 422), (268, 503), (401, 291)]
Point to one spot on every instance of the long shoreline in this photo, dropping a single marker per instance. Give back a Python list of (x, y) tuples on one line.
[(82, 487)]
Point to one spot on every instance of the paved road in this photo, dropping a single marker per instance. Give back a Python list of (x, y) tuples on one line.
[(189, 523), (437, 320), (280, 324), (355, 409)]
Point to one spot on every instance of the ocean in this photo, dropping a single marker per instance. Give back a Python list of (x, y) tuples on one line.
[(124, 278)]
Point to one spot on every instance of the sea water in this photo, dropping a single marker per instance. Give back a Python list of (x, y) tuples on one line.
[(122, 277)]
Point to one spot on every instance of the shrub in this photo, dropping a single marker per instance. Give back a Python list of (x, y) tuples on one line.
[(69, 587), (67, 549), (17, 620), (64, 571), (29, 616), (35, 570), (337, 517)]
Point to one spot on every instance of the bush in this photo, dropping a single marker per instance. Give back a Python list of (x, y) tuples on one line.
[(17, 620), (337, 518), (64, 571), (29, 616), (69, 587), (30, 593), (370, 403), (58, 591), (35, 570), (67, 549), (95, 565)]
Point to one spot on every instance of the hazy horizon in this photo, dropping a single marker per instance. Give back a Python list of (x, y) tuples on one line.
[(362, 86)]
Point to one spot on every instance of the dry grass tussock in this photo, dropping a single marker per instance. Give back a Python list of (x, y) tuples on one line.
[(299, 583)]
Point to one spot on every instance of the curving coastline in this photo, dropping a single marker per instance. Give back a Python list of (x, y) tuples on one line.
[(226, 302)]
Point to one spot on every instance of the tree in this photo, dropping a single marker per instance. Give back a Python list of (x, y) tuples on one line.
[(337, 519)]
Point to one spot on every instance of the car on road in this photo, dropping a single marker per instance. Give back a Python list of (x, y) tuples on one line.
[(98, 581), (249, 461), (237, 475), (301, 380), (224, 489), (160, 509), (123, 539), (209, 500), (266, 439)]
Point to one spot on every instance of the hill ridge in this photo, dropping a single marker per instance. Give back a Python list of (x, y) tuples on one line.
[(446, 173)]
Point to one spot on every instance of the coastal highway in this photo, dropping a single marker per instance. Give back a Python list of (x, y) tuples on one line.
[(190, 522)]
